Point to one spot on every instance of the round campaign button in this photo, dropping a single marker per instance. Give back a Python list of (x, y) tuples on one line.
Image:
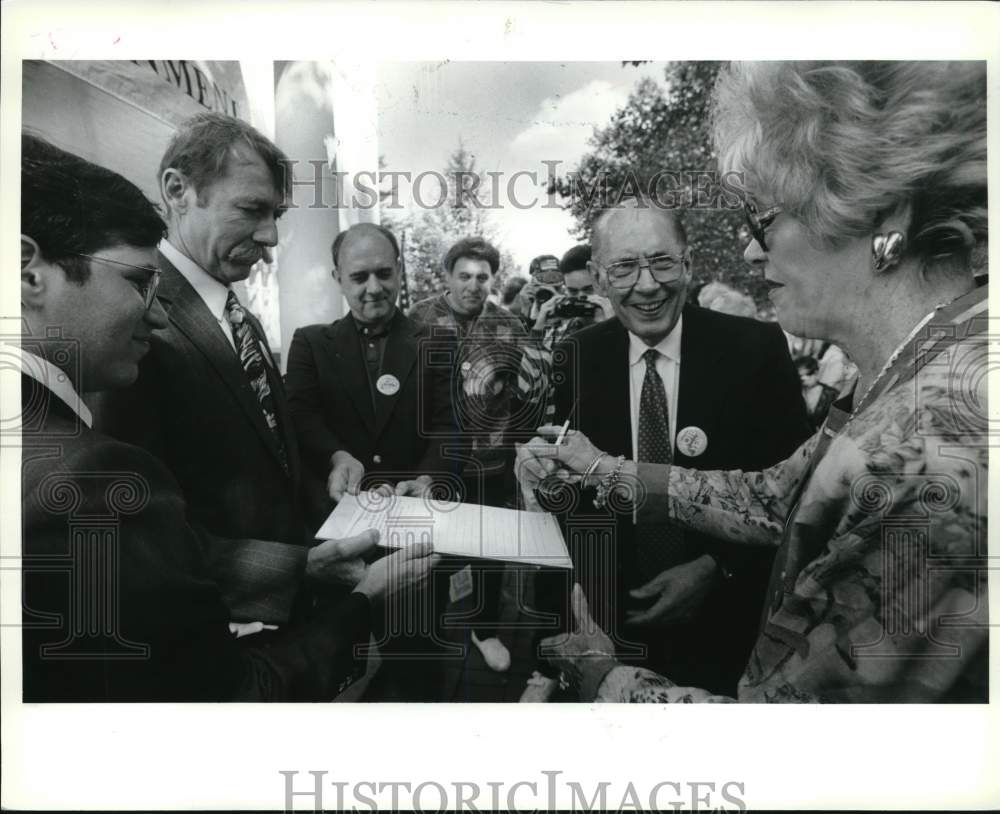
[(692, 441), (466, 367), (387, 385)]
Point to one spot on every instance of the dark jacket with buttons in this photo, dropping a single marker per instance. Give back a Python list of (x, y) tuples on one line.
[(401, 436)]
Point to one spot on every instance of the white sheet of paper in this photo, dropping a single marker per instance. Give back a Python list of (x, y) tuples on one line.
[(462, 529)]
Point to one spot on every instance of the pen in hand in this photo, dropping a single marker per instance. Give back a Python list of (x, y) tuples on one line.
[(562, 432)]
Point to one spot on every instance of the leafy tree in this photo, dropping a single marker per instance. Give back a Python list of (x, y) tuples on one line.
[(427, 234), (660, 143)]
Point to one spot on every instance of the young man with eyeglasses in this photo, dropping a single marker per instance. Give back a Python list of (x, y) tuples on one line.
[(119, 601), (670, 381)]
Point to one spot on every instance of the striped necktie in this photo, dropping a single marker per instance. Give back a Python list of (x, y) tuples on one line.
[(252, 361)]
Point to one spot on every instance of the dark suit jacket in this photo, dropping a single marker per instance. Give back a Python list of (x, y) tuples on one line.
[(118, 602), (331, 406), (194, 409), (738, 384)]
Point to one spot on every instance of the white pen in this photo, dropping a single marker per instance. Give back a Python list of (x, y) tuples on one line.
[(562, 432)]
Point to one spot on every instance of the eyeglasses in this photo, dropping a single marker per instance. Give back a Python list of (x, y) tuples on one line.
[(758, 222), (664, 268), (146, 289)]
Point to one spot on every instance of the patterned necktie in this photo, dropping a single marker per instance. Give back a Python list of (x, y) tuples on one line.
[(658, 546), (252, 361)]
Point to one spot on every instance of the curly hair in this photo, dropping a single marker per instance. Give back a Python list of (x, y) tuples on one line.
[(472, 248), (842, 145)]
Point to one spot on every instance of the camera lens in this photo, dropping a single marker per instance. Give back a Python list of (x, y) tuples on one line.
[(544, 295)]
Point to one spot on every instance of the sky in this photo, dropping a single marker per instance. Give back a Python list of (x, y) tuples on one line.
[(512, 116)]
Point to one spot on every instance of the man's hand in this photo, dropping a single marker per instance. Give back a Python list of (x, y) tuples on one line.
[(681, 592), (546, 309), (338, 562), (345, 477), (409, 567), (604, 303), (584, 656), (414, 488)]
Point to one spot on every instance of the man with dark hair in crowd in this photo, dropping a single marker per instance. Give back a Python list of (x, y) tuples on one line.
[(660, 383), (484, 342), (576, 305), (209, 400), (118, 601)]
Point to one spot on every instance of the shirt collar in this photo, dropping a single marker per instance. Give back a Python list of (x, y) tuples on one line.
[(383, 330), (669, 346), (53, 379), (212, 292)]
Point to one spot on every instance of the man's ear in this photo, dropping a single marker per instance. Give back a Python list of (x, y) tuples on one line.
[(599, 279), (174, 188), (33, 281)]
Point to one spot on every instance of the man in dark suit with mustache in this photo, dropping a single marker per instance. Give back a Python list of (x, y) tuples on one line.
[(210, 401)]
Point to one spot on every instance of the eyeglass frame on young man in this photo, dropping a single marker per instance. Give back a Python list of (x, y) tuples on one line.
[(649, 262), (759, 223), (148, 289)]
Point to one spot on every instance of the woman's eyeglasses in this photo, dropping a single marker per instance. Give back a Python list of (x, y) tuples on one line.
[(759, 221)]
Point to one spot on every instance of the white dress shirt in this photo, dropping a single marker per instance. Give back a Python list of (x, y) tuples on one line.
[(212, 292), (48, 375), (668, 365)]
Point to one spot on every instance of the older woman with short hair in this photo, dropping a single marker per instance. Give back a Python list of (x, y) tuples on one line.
[(865, 196)]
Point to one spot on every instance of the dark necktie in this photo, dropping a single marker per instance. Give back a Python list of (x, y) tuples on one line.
[(252, 361), (657, 546), (371, 340)]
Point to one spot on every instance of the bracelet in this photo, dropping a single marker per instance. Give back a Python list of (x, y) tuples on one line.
[(591, 469), (607, 484)]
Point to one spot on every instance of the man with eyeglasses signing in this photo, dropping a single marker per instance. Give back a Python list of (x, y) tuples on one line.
[(669, 381)]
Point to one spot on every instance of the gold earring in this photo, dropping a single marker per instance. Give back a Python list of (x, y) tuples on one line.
[(886, 250)]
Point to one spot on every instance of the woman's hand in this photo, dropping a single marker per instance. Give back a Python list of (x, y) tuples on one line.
[(575, 454), (585, 656)]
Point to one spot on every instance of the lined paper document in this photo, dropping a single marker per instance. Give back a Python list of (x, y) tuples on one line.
[(462, 529)]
